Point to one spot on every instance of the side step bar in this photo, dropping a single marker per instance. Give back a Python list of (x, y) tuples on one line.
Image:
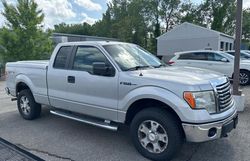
[(88, 120)]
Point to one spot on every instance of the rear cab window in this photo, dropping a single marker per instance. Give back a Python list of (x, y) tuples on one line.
[(62, 57)]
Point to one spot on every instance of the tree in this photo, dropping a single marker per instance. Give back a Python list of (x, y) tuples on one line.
[(170, 12), (80, 29), (192, 13), (22, 38), (246, 24)]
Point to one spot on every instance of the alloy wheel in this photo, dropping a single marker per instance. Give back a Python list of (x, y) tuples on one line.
[(152, 136)]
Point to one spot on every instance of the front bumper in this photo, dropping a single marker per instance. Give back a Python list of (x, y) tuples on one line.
[(210, 131)]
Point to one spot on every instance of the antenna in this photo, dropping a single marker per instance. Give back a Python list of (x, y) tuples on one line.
[(140, 60)]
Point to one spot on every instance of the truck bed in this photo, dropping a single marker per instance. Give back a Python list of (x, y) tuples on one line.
[(41, 64), (33, 72)]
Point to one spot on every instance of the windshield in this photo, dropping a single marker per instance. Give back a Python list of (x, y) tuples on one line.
[(227, 55), (132, 57)]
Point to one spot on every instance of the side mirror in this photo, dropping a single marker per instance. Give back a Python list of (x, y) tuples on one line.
[(101, 68), (224, 60)]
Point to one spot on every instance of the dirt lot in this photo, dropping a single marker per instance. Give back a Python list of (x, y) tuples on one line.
[(54, 138)]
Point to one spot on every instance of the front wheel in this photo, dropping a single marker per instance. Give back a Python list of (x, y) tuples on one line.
[(156, 134), (27, 106), (244, 77)]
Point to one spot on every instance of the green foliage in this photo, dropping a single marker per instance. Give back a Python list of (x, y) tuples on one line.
[(22, 38), (246, 24), (80, 29), (136, 21)]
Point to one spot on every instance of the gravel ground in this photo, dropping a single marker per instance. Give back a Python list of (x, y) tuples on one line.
[(59, 139)]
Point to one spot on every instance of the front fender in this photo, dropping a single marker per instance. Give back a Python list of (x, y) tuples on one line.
[(152, 92)]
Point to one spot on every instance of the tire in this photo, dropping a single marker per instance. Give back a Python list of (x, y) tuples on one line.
[(244, 77), (167, 124), (27, 106)]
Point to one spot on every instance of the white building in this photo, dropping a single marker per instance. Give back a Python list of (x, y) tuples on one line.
[(187, 36)]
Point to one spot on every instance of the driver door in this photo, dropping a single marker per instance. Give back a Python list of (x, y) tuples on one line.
[(91, 94)]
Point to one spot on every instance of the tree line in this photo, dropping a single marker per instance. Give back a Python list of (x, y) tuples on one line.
[(142, 21)]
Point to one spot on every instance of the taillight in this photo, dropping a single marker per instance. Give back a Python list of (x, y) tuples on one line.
[(171, 62)]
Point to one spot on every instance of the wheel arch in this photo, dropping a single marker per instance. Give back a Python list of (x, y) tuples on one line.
[(144, 103), (242, 69), (21, 86)]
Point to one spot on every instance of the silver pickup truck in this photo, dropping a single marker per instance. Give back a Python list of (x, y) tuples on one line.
[(110, 83)]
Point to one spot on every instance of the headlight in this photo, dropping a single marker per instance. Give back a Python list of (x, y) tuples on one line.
[(201, 100)]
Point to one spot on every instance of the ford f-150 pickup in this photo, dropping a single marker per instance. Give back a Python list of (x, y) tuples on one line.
[(111, 83)]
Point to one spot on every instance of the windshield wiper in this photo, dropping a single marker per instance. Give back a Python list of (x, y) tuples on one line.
[(138, 67)]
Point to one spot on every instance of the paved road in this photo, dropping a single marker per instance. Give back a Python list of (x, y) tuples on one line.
[(59, 139)]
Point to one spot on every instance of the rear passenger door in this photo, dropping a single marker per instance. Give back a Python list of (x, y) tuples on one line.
[(91, 94), (57, 78)]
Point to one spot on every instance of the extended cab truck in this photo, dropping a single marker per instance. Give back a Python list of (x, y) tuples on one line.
[(109, 83)]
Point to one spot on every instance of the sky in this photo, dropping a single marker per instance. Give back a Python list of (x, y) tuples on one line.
[(75, 11)]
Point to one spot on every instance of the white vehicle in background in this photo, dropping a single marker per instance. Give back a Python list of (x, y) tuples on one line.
[(247, 51), (243, 54), (213, 60)]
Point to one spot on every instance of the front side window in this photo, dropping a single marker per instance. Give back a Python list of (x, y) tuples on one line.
[(85, 57), (129, 56), (214, 57), (62, 57)]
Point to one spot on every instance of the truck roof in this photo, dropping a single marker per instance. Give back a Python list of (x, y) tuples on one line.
[(195, 51), (92, 43)]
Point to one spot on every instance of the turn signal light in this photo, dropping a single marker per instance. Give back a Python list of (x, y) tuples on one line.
[(188, 96)]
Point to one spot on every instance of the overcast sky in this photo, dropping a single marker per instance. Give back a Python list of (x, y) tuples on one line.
[(75, 11)]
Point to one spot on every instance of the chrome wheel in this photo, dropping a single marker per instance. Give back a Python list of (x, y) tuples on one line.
[(25, 105), (244, 78), (152, 136)]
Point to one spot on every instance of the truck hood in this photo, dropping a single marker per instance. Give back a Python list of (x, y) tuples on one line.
[(183, 75)]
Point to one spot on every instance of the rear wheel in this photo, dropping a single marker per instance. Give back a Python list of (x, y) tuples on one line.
[(156, 134), (27, 106)]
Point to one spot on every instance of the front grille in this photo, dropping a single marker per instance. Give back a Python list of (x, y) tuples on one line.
[(225, 100)]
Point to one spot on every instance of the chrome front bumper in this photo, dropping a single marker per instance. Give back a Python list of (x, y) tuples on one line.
[(210, 131)]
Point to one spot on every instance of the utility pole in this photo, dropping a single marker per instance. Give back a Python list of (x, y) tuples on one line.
[(236, 77)]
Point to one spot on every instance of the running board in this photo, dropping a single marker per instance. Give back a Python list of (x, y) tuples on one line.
[(88, 120)]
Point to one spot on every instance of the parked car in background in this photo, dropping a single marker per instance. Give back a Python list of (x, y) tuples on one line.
[(247, 51), (213, 60), (243, 54), (111, 83)]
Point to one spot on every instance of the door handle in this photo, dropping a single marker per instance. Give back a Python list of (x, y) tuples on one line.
[(71, 79)]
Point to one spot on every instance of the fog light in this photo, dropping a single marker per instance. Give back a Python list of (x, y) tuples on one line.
[(212, 132)]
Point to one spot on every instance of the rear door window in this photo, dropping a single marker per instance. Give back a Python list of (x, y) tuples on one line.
[(194, 56)]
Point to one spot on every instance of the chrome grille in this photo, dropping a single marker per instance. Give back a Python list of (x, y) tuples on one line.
[(225, 100)]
